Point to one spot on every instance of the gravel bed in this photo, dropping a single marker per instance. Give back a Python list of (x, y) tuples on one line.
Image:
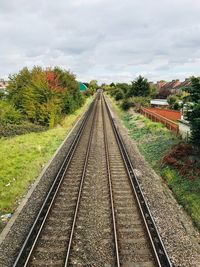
[(180, 237), (93, 243), (14, 234), (133, 251)]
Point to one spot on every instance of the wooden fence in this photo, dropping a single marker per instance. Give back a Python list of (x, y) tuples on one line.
[(169, 114), (158, 118)]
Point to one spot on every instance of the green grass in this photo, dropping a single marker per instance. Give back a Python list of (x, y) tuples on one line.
[(153, 141), (23, 157)]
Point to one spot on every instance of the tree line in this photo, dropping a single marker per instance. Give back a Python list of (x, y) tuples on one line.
[(136, 94), (39, 98), (140, 92)]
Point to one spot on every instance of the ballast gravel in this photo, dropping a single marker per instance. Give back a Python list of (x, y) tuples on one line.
[(180, 237)]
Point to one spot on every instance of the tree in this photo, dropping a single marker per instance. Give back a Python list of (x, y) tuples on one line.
[(119, 95), (43, 95), (172, 99), (194, 89), (112, 85), (16, 85), (124, 87), (194, 114), (140, 87), (153, 90), (93, 86)]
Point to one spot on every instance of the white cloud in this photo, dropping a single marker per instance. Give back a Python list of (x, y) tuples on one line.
[(109, 40)]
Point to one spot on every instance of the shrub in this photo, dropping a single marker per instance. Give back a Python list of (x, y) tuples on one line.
[(140, 101), (119, 95), (184, 158), (176, 106), (8, 130), (126, 104), (44, 95), (171, 99), (8, 113)]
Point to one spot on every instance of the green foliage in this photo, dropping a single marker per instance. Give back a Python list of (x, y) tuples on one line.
[(119, 95), (153, 90), (194, 114), (7, 130), (173, 102), (176, 106), (171, 99), (187, 192), (93, 86), (140, 87), (8, 113), (123, 87), (43, 96), (118, 91), (140, 101), (106, 88), (2, 95), (16, 85), (194, 118), (194, 89), (126, 104)]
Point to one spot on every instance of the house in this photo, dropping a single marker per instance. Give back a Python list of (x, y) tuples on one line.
[(180, 87), (174, 87)]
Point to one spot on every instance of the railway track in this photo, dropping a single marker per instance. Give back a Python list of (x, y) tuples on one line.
[(95, 213)]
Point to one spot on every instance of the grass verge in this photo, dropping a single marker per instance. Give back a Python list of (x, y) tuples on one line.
[(154, 142), (23, 157)]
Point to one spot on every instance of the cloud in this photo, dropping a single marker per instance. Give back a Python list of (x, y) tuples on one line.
[(109, 40)]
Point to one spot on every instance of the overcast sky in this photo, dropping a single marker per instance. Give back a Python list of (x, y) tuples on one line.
[(107, 40)]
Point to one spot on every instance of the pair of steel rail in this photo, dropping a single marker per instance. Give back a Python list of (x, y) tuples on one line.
[(156, 242), (33, 235), (153, 234)]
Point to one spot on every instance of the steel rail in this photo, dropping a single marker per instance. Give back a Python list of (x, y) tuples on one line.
[(33, 235), (80, 189), (110, 185), (154, 236)]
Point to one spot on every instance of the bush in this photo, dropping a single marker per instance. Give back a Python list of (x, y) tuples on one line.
[(44, 95), (171, 99), (176, 106), (126, 104), (8, 113), (119, 95), (8, 130), (140, 101), (184, 158)]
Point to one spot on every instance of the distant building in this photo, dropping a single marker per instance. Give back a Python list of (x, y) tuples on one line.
[(174, 87), (159, 103)]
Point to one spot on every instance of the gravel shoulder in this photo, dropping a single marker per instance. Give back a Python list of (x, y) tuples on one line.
[(180, 237)]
